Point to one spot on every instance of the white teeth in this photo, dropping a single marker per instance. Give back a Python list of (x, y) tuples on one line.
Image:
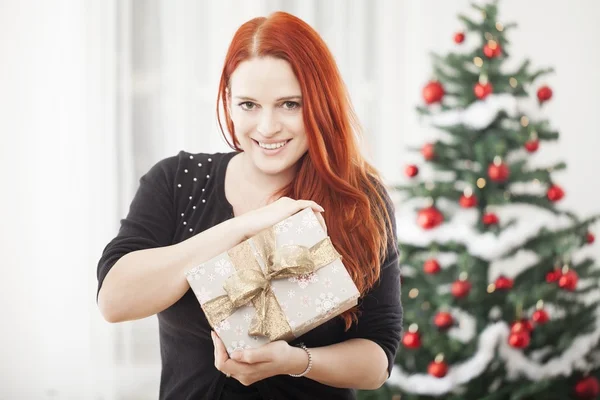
[(272, 145)]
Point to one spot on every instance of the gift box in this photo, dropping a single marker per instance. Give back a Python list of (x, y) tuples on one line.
[(277, 285)]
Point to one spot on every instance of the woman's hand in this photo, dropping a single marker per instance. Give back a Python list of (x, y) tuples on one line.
[(267, 216), (252, 365)]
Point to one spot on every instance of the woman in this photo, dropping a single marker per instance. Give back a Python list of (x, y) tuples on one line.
[(293, 134)]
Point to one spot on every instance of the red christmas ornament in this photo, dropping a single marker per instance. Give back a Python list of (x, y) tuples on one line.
[(589, 238), (588, 388), (568, 280), (467, 201), (459, 37), (492, 49), (443, 320), (439, 369), (482, 91), (429, 218), (411, 170), (553, 275), (428, 151), (504, 283), (532, 145), (490, 219), (460, 288), (555, 193), (540, 317), (498, 171), (544, 94), (433, 92), (431, 266), (522, 325), (519, 340), (412, 339)]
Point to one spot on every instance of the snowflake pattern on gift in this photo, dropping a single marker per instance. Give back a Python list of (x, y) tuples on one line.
[(291, 293), (284, 306), (196, 272), (305, 301), (299, 314), (326, 303), (247, 317), (203, 295), (282, 226), (223, 326), (210, 277), (310, 221), (239, 330), (335, 268), (327, 282), (304, 280), (223, 267), (237, 345)]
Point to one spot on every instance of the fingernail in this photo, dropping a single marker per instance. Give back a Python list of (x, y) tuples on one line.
[(322, 209)]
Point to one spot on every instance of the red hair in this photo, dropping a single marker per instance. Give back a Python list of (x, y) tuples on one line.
[(333, 173)]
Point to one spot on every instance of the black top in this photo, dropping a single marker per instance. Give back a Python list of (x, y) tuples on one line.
[(183, 195)]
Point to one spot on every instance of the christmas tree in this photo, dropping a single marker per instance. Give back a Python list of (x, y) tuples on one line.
[(497, 302)]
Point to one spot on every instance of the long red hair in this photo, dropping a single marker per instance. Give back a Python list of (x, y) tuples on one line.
[(333, 173)]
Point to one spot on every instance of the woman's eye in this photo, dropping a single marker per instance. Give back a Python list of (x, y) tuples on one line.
[(247, 105), (291, 105)]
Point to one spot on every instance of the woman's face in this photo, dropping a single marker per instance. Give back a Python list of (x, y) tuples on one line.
[(266, 110)]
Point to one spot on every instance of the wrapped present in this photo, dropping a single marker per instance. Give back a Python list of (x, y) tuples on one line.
[(277, 285)]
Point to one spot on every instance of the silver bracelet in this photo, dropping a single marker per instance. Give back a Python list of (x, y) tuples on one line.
[(309, 366)]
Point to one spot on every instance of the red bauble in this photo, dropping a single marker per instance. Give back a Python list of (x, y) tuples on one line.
[(428, 151), (443, 320), (519, 340), (532, 145), (411, 340), (433, 92), (498, 172), (588, 388), (490, 219), (482, 91), (544, 94), (437, 369), (460, 288), (569, 280), (504, 283), (459, 37), (429, 218), (589, 238), (540, 317), (467, 201), (411, 170), (492, 50), (555, 193), (431, 266), (522, 325), (553, 275)]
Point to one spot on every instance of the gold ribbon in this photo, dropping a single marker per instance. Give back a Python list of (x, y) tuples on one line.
[(250, 284)]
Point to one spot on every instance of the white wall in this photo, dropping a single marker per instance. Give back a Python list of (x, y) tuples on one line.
[(58, 159), (57, 167)]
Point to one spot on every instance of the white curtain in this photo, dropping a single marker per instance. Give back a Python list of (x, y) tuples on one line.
[(170, 58)]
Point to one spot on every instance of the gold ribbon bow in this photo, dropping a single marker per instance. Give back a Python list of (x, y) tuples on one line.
[(250, 284)]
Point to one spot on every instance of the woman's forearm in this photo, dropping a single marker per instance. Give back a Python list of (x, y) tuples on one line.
[(145, 282), (355, 363)]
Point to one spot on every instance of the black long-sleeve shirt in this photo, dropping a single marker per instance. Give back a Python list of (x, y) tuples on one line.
[(183, 195)]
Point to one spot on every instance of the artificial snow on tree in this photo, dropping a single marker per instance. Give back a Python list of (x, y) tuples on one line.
[(498, 300)]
